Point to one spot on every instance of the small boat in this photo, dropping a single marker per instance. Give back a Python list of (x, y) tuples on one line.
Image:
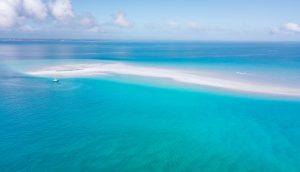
[(55, 80)]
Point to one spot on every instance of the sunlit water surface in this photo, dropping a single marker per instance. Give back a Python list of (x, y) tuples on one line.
[(110, 124)]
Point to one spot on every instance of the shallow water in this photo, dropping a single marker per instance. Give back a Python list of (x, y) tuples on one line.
[(87, 124)]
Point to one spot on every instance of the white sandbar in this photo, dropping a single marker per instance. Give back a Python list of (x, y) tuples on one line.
[(183, 76)]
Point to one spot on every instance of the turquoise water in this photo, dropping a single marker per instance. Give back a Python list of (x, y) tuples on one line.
[(89, 124)]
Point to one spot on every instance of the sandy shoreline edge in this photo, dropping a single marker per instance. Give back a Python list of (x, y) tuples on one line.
[(182, 76)]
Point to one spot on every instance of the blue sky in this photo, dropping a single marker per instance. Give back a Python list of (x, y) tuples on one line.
[(240, 20)]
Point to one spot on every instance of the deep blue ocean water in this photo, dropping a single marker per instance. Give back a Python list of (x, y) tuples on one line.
[(94, 124)]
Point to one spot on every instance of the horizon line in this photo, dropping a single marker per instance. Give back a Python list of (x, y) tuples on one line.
[(139, 40)]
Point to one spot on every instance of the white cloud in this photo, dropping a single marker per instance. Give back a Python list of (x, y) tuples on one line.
[(287, 28), (35, 8), (14, 12), (8, 13), (192, 25), (51, 16), (29, 16), (172, 24), (120, 20), (61, 9), (89, 23), (84, 23), (292, 27)]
